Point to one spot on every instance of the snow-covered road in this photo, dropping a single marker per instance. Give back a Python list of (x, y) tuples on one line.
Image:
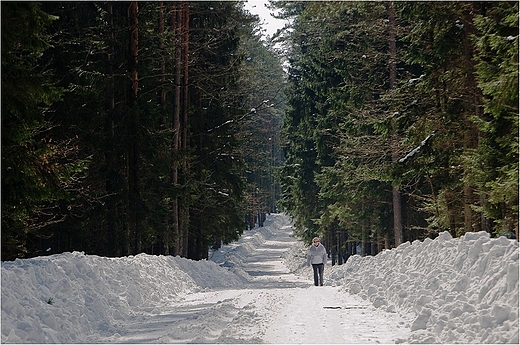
[(275, 306), (332, 317)]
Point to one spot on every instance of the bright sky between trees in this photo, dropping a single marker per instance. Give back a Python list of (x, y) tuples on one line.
[(269, 23)]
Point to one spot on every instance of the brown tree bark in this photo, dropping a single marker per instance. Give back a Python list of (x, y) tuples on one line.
[(396, 194), (111, 248), (472, 221), (132, 238), (176, 126), (165, 245), (162, 64), (184, 207)]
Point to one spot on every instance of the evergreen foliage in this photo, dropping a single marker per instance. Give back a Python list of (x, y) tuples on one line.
[(123, 126), (445, 135), (494, 163), (35, 168), (169, 127)]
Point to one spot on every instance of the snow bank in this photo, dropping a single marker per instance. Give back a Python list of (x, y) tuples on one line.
[(65, 297), (61, 298), (462, 290)]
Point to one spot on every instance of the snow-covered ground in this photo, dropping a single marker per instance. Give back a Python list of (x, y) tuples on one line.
[(446, 290)]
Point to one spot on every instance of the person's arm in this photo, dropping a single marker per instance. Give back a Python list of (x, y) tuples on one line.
[(324, 256)]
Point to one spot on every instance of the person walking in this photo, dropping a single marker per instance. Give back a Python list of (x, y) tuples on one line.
[(317, 256)]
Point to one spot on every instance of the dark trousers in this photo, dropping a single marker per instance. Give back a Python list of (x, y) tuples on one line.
[(318, 270)]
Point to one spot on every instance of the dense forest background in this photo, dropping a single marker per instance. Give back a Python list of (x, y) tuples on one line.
[(133, 127), (160, 127), (402, 121)]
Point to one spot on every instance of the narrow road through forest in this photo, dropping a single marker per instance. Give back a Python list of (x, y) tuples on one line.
[(277, 306)]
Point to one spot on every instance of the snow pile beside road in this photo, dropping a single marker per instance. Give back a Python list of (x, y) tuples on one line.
[(462, 290), (61, 298), (65, 297)]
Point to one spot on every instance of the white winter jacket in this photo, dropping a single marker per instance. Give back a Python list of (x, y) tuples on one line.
[(317, 255)]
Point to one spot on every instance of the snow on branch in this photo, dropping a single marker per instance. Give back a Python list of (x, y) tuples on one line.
[(217, 127), (415, 150)]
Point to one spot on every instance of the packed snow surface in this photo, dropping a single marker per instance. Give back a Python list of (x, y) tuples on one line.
[(447, 290)]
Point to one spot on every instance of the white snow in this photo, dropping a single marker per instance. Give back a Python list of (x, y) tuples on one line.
[(462, 290)]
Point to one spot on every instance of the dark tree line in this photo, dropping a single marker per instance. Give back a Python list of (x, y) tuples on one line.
[(127, 127), (402, 121)]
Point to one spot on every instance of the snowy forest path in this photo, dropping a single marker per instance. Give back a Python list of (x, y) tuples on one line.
[(276, 306), (312, 314)]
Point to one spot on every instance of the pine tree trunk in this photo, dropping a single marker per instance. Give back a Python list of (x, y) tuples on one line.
[(472, 221), (176, 123), (363, 228), (132, 137), (396, 194), (165, 247), (111, 248), (338, 245), (184, 209), (398, 225), (162, 64)]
